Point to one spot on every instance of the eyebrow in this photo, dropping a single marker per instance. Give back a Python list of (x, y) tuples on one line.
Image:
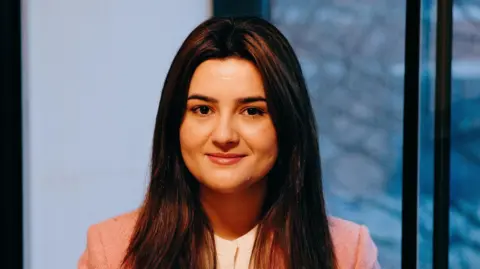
[(243, 100)]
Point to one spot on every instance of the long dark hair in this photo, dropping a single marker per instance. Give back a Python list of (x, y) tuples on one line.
[(172, 231)]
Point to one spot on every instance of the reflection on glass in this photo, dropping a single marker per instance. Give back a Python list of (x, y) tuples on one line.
[(352, 55), (465, 134)]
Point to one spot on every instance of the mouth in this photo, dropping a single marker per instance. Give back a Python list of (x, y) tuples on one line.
[(225, 158)]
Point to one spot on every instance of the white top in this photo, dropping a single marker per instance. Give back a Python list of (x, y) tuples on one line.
[(235, 254)]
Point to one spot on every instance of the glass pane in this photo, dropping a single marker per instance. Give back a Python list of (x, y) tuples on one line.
[(352, 55), (465, 133), (426, 133)]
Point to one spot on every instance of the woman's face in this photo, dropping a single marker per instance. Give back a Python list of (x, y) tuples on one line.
[(227, 137)]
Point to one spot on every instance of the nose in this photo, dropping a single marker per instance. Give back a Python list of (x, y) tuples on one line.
[(225, 135)]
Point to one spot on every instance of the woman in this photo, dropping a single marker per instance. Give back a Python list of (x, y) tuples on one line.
[(235, 167)]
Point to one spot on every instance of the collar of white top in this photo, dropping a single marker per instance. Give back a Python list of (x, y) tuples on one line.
[(245, 242)]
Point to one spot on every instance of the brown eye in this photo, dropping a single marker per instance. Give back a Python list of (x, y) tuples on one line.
[(202, 110), (252, 111)]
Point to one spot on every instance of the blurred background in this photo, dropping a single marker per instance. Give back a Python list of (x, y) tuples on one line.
[(92, 73)]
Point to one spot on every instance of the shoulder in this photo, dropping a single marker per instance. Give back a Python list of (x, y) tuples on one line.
[(354, 248), (107, 242)]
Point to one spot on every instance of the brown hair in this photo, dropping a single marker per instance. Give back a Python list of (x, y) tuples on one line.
[(172, 231)]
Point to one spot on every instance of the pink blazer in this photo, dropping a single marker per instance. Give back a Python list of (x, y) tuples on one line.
[(108, 240)]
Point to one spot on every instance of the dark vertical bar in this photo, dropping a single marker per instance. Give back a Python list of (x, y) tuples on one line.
[(259, 8), (410, 134), (10, 135), (441, 198)]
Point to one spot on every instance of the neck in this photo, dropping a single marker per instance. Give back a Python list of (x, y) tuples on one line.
[(232, 215)]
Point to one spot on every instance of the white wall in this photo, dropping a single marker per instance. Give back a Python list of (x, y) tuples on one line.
[(93, 71)]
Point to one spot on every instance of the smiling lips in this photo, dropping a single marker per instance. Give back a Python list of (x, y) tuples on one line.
[(225, 158)]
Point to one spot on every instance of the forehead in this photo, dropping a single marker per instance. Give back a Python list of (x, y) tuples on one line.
[(231, 77)]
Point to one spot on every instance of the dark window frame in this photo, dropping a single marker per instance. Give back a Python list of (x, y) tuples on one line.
[(411, 115), (226, 8), (442, 138), (11, 179)]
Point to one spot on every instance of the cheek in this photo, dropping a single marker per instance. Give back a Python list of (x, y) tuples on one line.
[(193, 135), (262, 138)]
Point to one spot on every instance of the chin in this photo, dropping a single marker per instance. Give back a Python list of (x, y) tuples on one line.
[(227, 183), (227, 187)]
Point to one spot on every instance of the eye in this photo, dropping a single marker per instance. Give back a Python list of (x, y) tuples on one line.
[(253, 111), (202, 110)]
